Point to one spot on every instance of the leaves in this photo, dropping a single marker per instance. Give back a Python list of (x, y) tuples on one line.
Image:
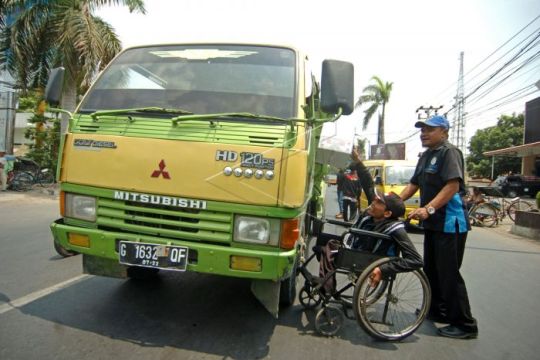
[(508, 132), (45, 34), (376, 96)]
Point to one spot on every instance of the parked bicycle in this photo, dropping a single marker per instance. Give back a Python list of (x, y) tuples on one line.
[(496, 208), (26, 172)]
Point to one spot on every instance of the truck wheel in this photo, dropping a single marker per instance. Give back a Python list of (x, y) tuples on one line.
[(62, 251), (512, 193), (287, 291), (142, 273)]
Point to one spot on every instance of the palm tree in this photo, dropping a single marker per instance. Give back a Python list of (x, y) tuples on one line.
[(376, 95), (46, 34)]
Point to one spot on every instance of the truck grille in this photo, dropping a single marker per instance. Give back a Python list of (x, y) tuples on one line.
[(226, 132), (164, 221)]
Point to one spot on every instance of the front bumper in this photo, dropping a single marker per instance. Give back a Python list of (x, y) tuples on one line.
[(205, 258)]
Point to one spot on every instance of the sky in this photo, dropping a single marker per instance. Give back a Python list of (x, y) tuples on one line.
[(414, 44)]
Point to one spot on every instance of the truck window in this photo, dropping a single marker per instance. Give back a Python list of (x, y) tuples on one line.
[(374, 171), (203, 79), (399, 175)]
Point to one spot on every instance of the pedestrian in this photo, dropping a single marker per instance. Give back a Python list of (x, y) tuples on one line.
[(439, 175), (339, 182), (3, 171), (351, 190)]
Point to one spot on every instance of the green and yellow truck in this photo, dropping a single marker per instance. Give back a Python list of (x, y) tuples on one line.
[(197, 157)]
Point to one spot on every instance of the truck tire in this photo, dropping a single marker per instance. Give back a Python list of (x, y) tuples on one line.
[(287, 291)]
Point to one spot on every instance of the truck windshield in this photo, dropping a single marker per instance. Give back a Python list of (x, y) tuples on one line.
[(203, 79), (399, 175)]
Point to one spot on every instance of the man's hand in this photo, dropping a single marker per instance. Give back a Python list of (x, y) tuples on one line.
[(375, 277), (418, 214)]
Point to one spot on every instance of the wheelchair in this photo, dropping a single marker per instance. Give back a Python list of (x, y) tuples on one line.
[(390, 310)]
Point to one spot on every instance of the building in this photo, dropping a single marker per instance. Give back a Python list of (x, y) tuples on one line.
[(530, 150)]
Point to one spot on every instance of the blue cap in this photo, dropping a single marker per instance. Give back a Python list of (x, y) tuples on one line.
[(434, 121)]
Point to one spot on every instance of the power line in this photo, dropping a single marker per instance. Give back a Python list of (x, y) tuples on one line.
[(507, 75), (506, 53), (520, 53), (529, 81), (509, 101), (517, 92), (490, 55), (506, 42)]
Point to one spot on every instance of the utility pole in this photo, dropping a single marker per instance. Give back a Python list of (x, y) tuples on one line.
[(427, 111), (458, 126)]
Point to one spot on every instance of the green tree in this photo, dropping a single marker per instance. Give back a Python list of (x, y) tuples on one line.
[(46, 34), (37, 35), (508, 132), (376, 96)]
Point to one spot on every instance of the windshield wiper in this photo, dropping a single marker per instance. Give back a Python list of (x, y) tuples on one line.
[(154, 109), (233, 116), (245, 115)]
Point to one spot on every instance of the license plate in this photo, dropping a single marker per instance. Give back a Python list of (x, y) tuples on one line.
[(153, 255)]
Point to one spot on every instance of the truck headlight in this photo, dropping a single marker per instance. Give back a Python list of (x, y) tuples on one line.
[(80, 207), (256, 230)]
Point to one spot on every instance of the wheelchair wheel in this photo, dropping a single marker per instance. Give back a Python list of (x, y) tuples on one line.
[(308, 298), (375, 293), (394, 310), (329, 320)]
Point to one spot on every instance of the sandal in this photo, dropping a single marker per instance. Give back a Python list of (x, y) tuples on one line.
[(339, 216)]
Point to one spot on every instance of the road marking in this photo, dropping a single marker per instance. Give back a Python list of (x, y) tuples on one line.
[(22, 301)]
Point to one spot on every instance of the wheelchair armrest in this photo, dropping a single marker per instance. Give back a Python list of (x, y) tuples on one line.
[(370, 233), (340, 223)]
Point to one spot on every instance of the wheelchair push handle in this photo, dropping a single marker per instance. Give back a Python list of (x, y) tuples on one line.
[(359, 231), (370, 233), (337, 222)]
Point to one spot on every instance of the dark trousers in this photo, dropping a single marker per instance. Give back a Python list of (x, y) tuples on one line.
[(349, 209), (443, 255)]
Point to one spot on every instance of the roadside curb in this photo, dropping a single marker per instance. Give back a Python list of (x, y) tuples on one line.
[(50, 192)]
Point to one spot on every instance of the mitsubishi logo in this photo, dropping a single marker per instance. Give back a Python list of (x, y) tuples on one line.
[(161, 171)]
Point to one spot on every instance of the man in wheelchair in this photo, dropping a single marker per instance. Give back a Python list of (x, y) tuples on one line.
[(378, 271), (382, 216)]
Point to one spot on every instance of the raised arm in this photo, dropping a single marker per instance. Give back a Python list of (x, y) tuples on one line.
[(409, 191)]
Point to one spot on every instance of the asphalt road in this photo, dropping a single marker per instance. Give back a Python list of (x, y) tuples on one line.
[(48, 310)]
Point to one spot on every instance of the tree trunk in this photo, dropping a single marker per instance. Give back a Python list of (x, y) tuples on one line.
[(381, 125), (69, 100)]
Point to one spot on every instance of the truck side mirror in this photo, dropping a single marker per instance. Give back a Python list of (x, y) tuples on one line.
[(337, 87), (378, 180), (53, 90)]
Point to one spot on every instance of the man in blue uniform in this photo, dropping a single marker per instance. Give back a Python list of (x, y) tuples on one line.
[(439, 175)]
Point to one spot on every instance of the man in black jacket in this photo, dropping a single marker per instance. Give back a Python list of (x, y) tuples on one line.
[(382, 216)]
